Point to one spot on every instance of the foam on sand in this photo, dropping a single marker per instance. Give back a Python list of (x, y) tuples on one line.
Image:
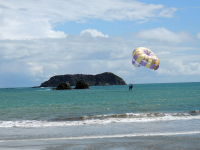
[(107, 136)]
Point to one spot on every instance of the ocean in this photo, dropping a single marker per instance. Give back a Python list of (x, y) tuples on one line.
[(163, 116)]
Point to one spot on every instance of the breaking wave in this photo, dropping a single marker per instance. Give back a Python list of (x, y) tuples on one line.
[(103, 119)]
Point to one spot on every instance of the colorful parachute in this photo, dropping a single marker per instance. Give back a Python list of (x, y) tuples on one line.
[(145, 57)]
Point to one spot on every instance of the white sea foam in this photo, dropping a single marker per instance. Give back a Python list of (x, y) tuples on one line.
[(44, 90), (106, 120), (107, 136)]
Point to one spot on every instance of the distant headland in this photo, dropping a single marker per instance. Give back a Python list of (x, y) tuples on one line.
[(106, 78)]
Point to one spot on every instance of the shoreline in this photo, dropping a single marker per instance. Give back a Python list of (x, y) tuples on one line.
[(121, 143), (109, 136)]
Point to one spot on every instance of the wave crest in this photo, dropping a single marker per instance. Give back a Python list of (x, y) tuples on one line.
[(103, 119)]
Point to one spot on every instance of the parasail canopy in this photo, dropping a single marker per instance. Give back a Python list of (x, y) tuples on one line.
[(145, 57)]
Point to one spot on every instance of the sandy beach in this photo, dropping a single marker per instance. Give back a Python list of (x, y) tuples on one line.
[(183, 142), (166, 135)]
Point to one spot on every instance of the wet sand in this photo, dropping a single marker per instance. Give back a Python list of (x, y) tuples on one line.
[(166, 135), (183, 142)]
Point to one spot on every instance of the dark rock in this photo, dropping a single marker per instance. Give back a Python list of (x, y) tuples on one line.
[(81, 85), (195, 111), (36, 87), (106, 78), (63, 86)]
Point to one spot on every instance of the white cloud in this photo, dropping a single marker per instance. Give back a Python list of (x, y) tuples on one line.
[(35, 19), (164, 35), (143, 21), (16, 23), (93, 33), (198, 35), (20, 67), (35, 69), (29, 30), (163, 53), (168, 12), (177, 68), (101, 9)]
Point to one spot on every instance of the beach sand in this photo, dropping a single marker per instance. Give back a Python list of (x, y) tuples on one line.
[(183, 142), (182, 134)]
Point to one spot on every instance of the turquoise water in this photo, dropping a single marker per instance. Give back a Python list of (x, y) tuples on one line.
[(39, 118), (100, 102)]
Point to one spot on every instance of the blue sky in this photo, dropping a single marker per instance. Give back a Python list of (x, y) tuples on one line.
[(40, 39), (185, 18)]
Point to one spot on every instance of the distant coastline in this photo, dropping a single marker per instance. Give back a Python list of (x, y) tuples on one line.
[(106, 78)]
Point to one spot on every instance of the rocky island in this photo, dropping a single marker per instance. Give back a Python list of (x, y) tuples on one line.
[(63, 86), (66, 86), (106, 78)]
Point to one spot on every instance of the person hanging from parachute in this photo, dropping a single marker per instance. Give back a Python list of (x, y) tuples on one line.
[(143, 56), (130, 87)]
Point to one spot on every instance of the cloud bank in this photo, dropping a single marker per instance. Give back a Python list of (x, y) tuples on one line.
[(164, 35), (35, 19)]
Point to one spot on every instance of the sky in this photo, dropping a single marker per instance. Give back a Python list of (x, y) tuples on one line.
[(43, 38)]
